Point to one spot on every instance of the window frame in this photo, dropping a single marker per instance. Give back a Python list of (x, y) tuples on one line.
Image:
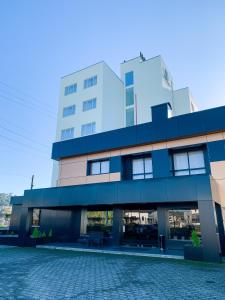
[(91, 81), (129, 81), (100, 161), (144, 174), (67, 88), (92, 124), (189, 170), (92, 100), (70, 114), (67, 138)]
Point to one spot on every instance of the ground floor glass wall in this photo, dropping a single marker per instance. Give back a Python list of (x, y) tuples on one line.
[(182, 222), (100, 221), (140, 227)]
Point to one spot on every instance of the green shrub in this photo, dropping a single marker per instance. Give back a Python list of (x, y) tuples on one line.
[(35, 233), (43, 234), (195, 239), (50, 233)]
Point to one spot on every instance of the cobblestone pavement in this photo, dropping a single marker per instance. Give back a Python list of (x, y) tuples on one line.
[(27, 273)]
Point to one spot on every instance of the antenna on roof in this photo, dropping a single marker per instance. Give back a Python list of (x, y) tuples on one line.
[(142, 56)]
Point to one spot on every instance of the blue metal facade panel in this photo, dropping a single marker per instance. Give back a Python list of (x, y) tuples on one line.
[(216, 150), (193, 124), (161, 163), (164, 190)]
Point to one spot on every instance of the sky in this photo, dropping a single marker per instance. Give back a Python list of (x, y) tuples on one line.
[(40, 41)]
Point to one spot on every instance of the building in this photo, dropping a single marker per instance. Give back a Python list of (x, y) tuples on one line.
[(95, 99), (164, 177)]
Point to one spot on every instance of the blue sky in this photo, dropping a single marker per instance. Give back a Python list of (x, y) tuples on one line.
[(40, 41)]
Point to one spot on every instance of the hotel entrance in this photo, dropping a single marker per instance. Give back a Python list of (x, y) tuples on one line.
[(140, 228)]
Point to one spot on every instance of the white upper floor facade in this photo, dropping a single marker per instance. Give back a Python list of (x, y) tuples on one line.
[(95, 99)]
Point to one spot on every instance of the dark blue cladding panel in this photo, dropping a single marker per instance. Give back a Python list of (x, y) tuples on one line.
[(16, 200), (164, 190), (115, 164), (161, 129), (161, 163), (216, 150)]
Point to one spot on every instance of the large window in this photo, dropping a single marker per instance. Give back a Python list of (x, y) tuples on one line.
[(67, 134), (140, 227), (129, 96), (88, 129), (70, 89), (142, 168), (129, 78), (90, 82), (89, 104), (100, 221), (182, 222), (99, 167), (189, 163), (69, 110), (130, 116)]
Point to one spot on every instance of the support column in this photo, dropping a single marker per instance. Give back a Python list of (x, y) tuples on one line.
[(210, 240), (219, 216), (77, 223), (117, 231), (25, 223), (163, 221)]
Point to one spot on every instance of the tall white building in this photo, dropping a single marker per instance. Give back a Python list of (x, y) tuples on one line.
[(95, 99)]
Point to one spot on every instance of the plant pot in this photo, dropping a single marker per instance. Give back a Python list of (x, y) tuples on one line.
[(193, 253)]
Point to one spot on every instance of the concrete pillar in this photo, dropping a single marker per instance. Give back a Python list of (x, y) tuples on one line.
[(210, 240), (220, 225), (163, 221), (25, 224), (117, 230)]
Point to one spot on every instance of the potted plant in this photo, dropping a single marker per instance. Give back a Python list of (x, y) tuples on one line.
[(194, 251)]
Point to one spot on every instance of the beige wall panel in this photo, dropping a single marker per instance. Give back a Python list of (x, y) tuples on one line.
[(98, 178), (114, 176), (99, 155), (137, 149), (72, 181), (77, 169), (218, 191), (218, 169), (115, 153), (215, 137), (159, 146), (73, 159), (188, 141)]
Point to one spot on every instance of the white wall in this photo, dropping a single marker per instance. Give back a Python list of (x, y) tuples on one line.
[(113, 101), (149, 86), (183, 102)]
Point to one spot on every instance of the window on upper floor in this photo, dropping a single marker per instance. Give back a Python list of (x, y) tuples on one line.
[(69, 110), (67, 134), (142, 168), (88, 129), (129, 96), (90, 82), (89, 104), (70, 89), (129, 78), (189, 163), (99, 167), (130, 116)]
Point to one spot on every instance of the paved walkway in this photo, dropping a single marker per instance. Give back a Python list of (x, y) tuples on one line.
[(46, 274), (122, 250)]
